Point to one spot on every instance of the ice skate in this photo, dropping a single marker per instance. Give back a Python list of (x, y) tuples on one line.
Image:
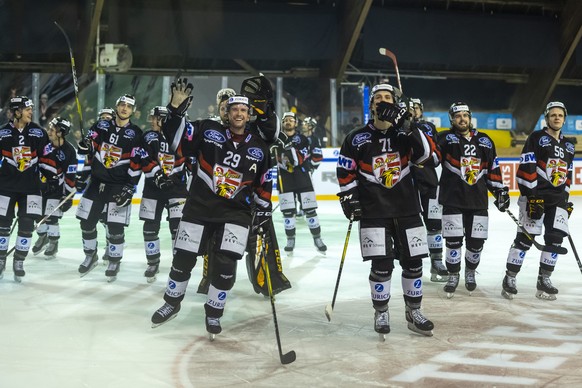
[(382, 323), (88, 264), (290, 244), (40, 244), (438, 271), (52, 249), (509, 287), (164, 314), (105, 257), (213, 327), (112, 271), (321, 247), (151, 271), (470, 283), (2, 267), (418, 323), (18, 267), (451, 285), (546, 291)]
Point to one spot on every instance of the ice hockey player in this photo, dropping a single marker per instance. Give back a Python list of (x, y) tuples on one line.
[(21, 142), (164, 193), (544, 176), (427, 182), (232, 173), (470, 168), (111, 171), (377, 189), (293, 159), (308, 128), (58, 166)]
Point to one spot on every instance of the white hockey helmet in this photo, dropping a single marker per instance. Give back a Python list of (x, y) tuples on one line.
[(555, 104)]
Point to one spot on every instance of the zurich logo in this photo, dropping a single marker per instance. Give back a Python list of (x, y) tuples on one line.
[(222, 295), (361, 138), (214, 135), (171, 284), (151, 245), (256, 153), (378, 288), (417, 283)]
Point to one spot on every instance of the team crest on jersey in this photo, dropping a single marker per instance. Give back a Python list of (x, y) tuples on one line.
[(470, 167), (166, 162), (387, 169), (110, 155), (226, 181), (22, 156), (556, 171)]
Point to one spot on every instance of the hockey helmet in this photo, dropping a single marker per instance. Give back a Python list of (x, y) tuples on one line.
[(128, 99), (458, 107), (310, 122), (289, 114), (20, 102), (385, 87), (416, 101), (238, 99), (555, 104), (106, 111), (224, 94), (159, 111), (61, 124)]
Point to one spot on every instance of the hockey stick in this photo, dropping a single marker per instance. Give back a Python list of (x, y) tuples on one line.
[(290, 356), (43, 220), (329, 307), (541, 247), (75, 84), (390, 54), (575, 252)]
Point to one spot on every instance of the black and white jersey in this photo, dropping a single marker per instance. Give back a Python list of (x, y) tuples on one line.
[(426, 176), (60, 162), (375, 166), (545, 167), (118, 155), (294, 165), (19, 164), (315, 151), (158, 149), (232, 170), (470, 168)]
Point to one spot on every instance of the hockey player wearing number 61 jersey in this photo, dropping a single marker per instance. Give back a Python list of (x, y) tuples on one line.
[(232, 174), (377, 188)]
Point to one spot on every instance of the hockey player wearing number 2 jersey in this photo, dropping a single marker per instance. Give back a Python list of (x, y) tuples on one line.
[(377, 188), (470, 168), (232, 174), (544, 176)]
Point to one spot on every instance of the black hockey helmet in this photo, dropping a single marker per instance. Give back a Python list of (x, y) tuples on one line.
[(61, 124), (159, 111), (20, 102), (458, 107), (555, 104), (106, 111), (128, 99), (417, 101)]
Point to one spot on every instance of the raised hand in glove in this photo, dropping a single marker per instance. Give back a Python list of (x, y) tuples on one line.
[(535, 207), (351, 206), (67, 204), (81, 181), (502, 199), (391, 113), (162, 181), (123, 198), (260, 94), (181, 95)]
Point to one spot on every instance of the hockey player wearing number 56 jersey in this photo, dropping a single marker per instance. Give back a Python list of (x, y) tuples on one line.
[(470, 169), (21, 143), (377, 188), (232, 174), (544, 176)]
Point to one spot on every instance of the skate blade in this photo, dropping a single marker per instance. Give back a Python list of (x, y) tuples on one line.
[(507, 295), (382, 337), (415, 329), (438, 278), (450, 295), (545, 296), (111, 279), (211, 337), (151, 280), (105, 262), (154, 325), (18, 279), (50, 257), (89, 270)]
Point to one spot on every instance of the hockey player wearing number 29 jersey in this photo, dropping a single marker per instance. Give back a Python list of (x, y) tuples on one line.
[(470, 169), (232, 174), (377, 188)]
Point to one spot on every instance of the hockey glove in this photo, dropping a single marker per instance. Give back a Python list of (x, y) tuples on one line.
[(260, 93), (81, 181), (123, 198), (162, 181), (569, 208), (535, 207), (181, 95), (502, 199), (85, 147), (392, 113), (51, 186), (351, 206), (67, 204)]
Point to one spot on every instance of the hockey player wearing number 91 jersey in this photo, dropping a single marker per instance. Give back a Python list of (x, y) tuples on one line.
[(470, 168), (377, 188), (232, 174)]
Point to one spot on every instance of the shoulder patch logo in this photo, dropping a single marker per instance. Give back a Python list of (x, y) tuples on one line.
[(214, 135), (361, 138)]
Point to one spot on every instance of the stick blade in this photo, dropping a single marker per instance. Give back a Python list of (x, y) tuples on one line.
[(328, 311), (382, 51), (288, 358)]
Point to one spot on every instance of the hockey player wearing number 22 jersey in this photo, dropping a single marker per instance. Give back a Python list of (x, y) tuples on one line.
[(377, 188), (232, 173)]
